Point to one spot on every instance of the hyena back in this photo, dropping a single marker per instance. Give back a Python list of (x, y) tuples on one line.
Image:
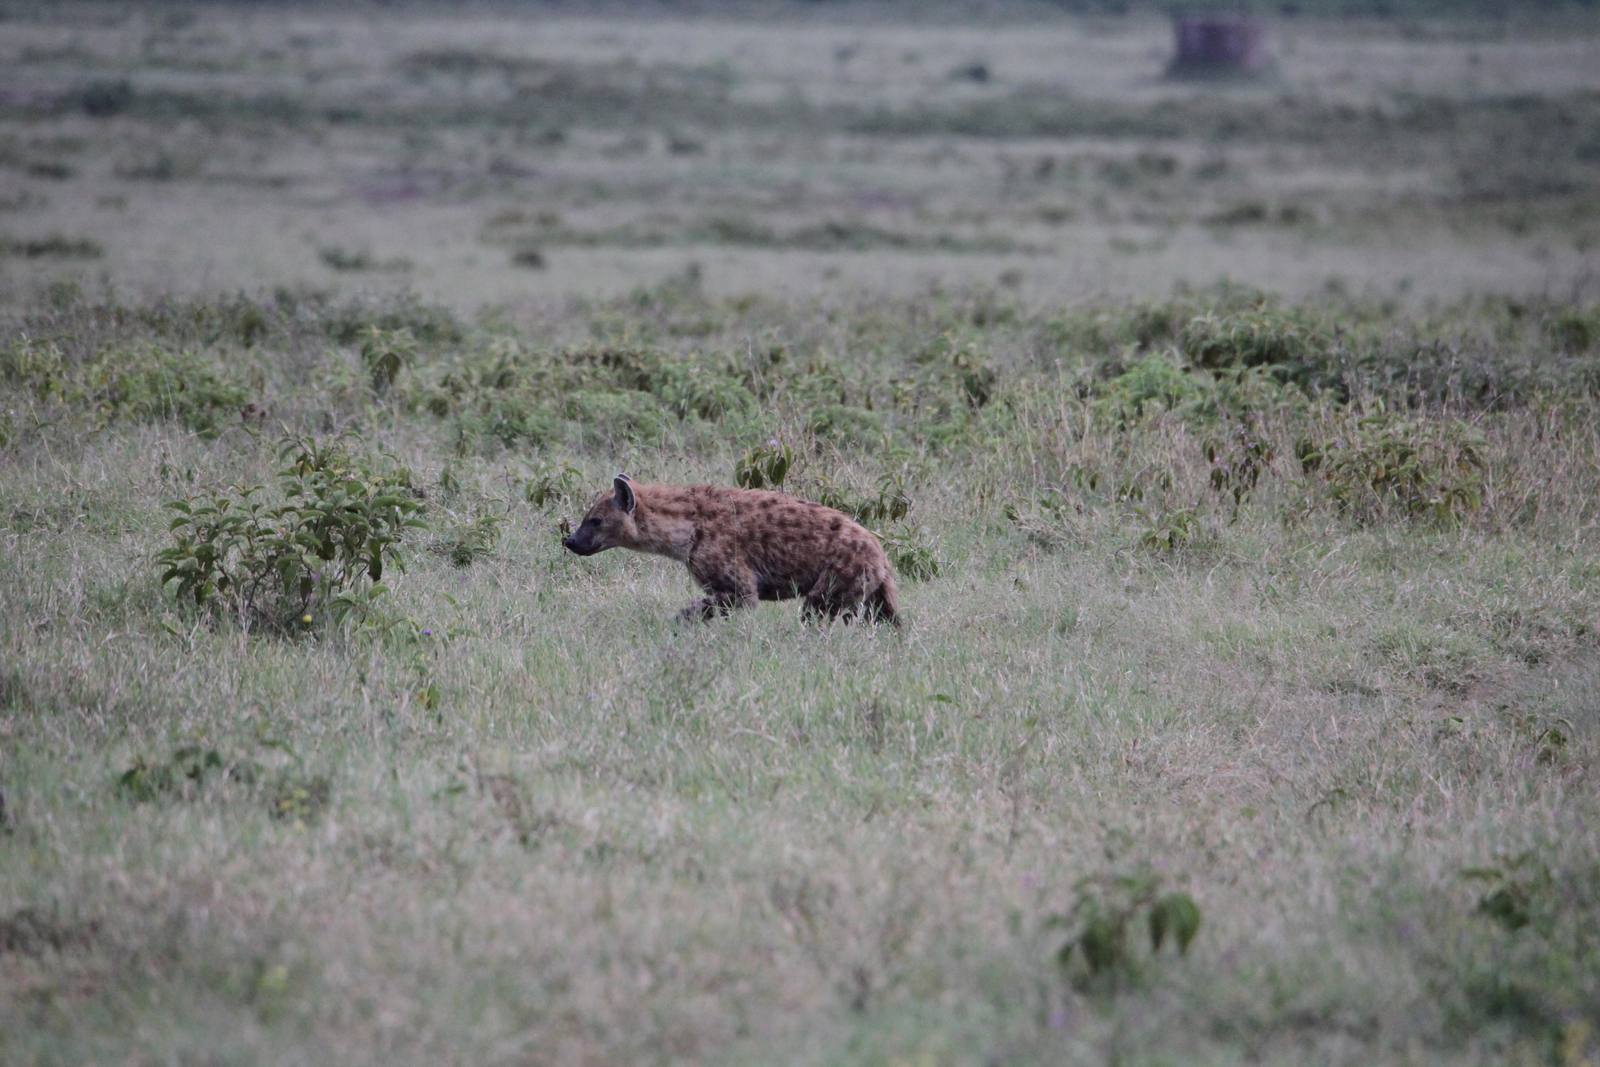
[(746, 545)]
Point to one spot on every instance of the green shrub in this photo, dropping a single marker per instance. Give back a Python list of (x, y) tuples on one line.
[(384, 353), (764, 467), (1152, 384), (1168, 531), (909, 551), (55, 247), (151, 383), (1293, 344), (141, 382), (888, 503), (1574, 330), (292, 795), (1106, 907), (325, 545), (1238, 458), (188, 767), (699, 388), (1376, 465), (473, 535), (549, 483), (611, 416), (845, 423), (428, 324)]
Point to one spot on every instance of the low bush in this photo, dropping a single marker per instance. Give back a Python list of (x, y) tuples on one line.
[(1378, 464), (339, 521), (1099, 949), (1151, 384), (140, 382)]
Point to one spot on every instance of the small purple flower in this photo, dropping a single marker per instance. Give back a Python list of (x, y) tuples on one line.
[(427, 633)]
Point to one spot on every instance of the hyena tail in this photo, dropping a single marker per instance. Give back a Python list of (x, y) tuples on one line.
[(883, 604)]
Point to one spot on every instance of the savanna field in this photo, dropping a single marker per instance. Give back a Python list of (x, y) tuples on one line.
[(1234, 444)]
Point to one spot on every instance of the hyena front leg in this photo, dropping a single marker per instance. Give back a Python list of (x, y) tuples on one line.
[(723, 599), (707, 608)]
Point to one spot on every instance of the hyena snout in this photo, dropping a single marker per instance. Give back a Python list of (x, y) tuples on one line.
[(583, 546)]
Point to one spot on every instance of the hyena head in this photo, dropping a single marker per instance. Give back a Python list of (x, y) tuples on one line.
[(609, 523)]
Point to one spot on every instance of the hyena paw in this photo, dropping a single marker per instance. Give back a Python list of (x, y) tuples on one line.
[(699, 611)]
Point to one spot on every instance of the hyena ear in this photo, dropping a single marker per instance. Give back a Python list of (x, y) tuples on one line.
[(625, 498)]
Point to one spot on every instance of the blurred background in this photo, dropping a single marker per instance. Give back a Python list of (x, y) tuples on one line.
[(513, 154)]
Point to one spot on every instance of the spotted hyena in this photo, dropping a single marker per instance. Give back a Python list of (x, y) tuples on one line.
[(745, 545)]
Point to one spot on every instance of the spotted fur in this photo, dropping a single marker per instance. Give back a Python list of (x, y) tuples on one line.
[(746, 545)]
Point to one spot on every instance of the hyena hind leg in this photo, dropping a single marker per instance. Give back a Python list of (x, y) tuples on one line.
[(882, 605), (835, 597)]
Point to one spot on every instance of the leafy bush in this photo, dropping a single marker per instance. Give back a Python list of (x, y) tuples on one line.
[(55, 246), (142, 382), (325, 545), (292, 795), (844, 423), (295, 321), (606, 416), (384, 352), (1168, 531), (909, 552), (1238, 459), (299, 798), (764, 467), (1106, 907), (473, 535), (549, 483), (188, 767), (1149, 385), (1574, 330), (512, 395), (889, 503), (1379, 464), (1045, 518), (1528, 960), (1254, 338), (1522, 887)]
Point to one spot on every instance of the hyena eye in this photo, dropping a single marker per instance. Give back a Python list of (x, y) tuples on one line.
[(594, 522)]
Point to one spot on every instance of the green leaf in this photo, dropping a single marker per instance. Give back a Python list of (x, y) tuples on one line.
[(1510, 906), (1177, 914), (1104, 942)]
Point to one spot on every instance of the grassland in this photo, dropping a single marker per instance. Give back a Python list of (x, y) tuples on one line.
[(483, 156), (1281, 603), (1308, 635)]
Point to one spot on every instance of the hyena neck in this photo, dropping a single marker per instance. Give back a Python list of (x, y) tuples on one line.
[(663, 534)]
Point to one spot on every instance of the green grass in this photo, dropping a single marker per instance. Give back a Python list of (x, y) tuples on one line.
[(1285, 605), (519, 161), (517, 814)]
